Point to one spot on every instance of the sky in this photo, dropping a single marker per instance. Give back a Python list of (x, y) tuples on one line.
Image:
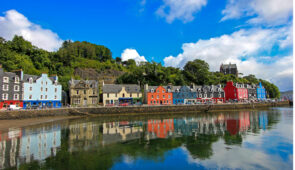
[(257, 35)]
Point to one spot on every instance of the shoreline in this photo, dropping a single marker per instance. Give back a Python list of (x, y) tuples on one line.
[(131, 110)]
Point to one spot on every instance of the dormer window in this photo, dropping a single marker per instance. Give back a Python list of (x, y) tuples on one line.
[(31, 80), (152, 90), (16, 79), (5, 79)]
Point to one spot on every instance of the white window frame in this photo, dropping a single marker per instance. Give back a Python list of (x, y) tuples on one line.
[(5, 87), (16, 79), (16, 87), (31, 80), (5, 79), (4, 96), (16, 96)]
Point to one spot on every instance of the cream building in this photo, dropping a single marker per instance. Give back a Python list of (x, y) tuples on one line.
[(115, 94), (83, 92)]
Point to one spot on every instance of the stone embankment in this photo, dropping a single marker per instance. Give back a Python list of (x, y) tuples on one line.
[(96, 111)]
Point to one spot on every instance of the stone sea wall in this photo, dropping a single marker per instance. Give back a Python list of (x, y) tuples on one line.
[(22, 114)]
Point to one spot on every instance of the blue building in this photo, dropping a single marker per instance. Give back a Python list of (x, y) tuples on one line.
[(41, 92), (261, 93), (184, 95)]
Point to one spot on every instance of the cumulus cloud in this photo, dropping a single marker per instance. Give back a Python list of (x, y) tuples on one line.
[(180, 9), (15, 23), (132, 54), (243, 48), (271, 12)]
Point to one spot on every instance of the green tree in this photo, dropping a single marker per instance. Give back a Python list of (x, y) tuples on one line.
[(197, 71)]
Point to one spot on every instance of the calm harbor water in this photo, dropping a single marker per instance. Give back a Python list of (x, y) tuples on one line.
[(226, 140)]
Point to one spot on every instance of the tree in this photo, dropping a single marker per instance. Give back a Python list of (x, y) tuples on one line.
[(197, 71)]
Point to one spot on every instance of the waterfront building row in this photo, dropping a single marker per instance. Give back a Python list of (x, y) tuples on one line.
[(29, 91)]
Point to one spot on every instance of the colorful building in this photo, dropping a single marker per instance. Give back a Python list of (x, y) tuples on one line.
[(235, 91), (261, 93), (83, 92), (121, 94), (159, 95), (211, 94), (184, 95), (252, 91), (10, 88), (41, 91)]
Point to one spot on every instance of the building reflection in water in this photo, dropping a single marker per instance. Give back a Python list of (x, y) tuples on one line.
[(18, 146)]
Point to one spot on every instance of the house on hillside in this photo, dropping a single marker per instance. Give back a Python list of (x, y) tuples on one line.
[(83, 92), (121, 94), (229, 69)]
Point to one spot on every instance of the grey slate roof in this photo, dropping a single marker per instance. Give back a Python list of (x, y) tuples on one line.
[(224, 66), (116, 88), (88, 82)]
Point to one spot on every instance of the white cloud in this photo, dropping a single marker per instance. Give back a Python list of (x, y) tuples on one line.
[(180, 9), (132, 54), (14, 23), (243, 48), (273, 12)]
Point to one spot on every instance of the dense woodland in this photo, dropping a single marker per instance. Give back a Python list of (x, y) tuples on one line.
[(21, 54)]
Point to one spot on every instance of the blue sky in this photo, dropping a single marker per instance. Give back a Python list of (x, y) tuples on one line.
[(250, 33)]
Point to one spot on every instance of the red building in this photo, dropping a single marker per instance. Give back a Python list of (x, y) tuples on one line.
[(235, 91), (159, 96), (7, 103), (161, 128)]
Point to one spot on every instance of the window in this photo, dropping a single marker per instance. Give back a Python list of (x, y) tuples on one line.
[(45, 96), (30, 97), (31, 80), (55, 97), (46, 89), (169, 96), (5, 87), (163, 91), (130, 94), (200, 95), (4, 96), (77, 91), (41, 88), (116, 94), (205, 95), (93, 92), (46, 83), (137, 94), (163, 96), (219, 95), (31, 88), (15, 96), (152, 90), (108, 95), (42, 82), (5, 79), (211, 95), (16, 79), (16, 88), (152, 97), (158, 91), (157, 96), (41, 97), (84, 91)]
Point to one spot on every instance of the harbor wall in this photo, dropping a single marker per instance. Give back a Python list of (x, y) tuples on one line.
[(98, 111)]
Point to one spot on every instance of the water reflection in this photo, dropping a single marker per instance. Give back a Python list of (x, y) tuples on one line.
[(96, 143)]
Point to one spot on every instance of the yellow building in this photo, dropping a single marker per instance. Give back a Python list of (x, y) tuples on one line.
[(115, 94), (83, 92)]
